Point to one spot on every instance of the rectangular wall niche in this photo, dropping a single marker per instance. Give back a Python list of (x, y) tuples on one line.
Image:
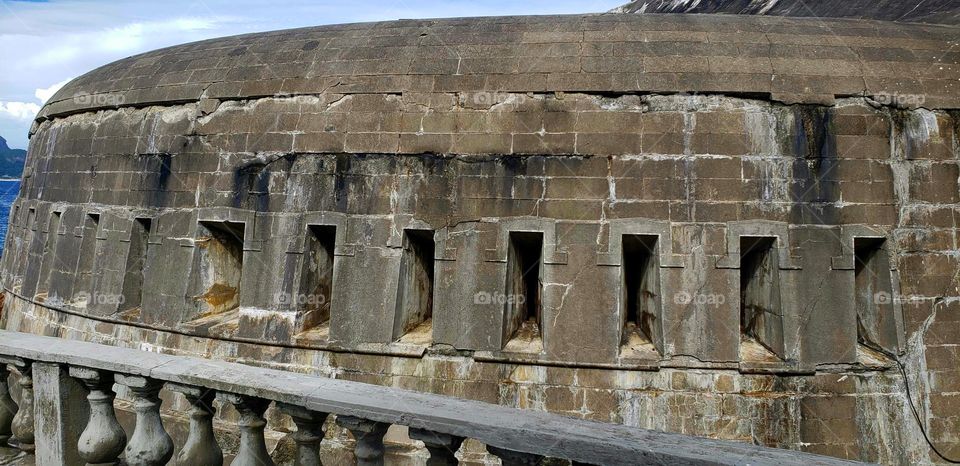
[(88, 253), (14, 220), (49, 259), (31, 219), (640, 300), (220, 245), (317, 278), (523, 320), (761, 315), (133, 278), (876, 323), (412, 322)]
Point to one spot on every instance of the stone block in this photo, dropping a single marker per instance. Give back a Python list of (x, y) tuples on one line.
[(663, 143), (473, 322), (61, 414), (482, 143), (860, 147), (938, 184), (577, 188), (721, 123), (553, 144), (609, 144), (704, 324), (720, 144), (566, 321), (829, 408), (426, 143), (372, 142), (571, 209), (364, 314), (632, 209)]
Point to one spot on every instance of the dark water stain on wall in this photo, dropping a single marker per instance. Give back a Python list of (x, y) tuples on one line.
[(815, 186), (157, 169), (251, 182), (340, 192), (434, 164), (512, 168)]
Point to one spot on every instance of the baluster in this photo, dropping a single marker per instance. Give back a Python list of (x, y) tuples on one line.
[(22, 425), (8, 409), (442, 447), (201, 448), (102, 441), (514, 458), (253, 447), (369, 436), (150, 445), (309, 433)]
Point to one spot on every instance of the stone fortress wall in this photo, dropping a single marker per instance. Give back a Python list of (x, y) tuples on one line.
[(727, 227)]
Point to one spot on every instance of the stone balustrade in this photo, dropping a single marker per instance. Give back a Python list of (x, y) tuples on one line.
[(47, 423)]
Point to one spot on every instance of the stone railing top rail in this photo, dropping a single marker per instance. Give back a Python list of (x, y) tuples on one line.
[(518, 430)]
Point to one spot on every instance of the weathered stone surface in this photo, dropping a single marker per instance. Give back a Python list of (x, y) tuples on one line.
[(179, 215), (942, 12), (620, 53), (508, 432), (62, 412)]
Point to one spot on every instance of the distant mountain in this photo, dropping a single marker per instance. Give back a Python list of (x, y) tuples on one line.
[(921, 11), (11, 160)]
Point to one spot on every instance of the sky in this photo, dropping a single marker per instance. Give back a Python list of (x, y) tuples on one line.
[(46, 43)]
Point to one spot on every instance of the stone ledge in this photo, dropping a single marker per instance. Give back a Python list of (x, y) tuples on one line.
[(529, 432)]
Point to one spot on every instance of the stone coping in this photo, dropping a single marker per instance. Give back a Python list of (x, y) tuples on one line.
[(807, 60), (528, 431)]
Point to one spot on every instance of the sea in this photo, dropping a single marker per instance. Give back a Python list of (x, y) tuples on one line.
[(8, 193)]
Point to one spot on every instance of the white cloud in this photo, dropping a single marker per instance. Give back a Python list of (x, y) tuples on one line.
[(27, 111), (19, 110), (128, 37), (44, 94), (193, 24), (134, 36)]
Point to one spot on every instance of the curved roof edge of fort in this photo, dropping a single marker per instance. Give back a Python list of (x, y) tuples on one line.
[(792, 60)]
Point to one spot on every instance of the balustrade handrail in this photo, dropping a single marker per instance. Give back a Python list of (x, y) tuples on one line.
[(504, 428)]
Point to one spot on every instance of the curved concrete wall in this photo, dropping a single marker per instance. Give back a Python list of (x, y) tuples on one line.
[(206, 226)]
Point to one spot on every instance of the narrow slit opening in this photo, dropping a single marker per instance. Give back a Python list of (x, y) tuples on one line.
[(524, 316), (415, 304), (641, 295), (136, 264), (88, 254), (317, 277), (49, 258), (876, 327), (761, 321), (14, 220)]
